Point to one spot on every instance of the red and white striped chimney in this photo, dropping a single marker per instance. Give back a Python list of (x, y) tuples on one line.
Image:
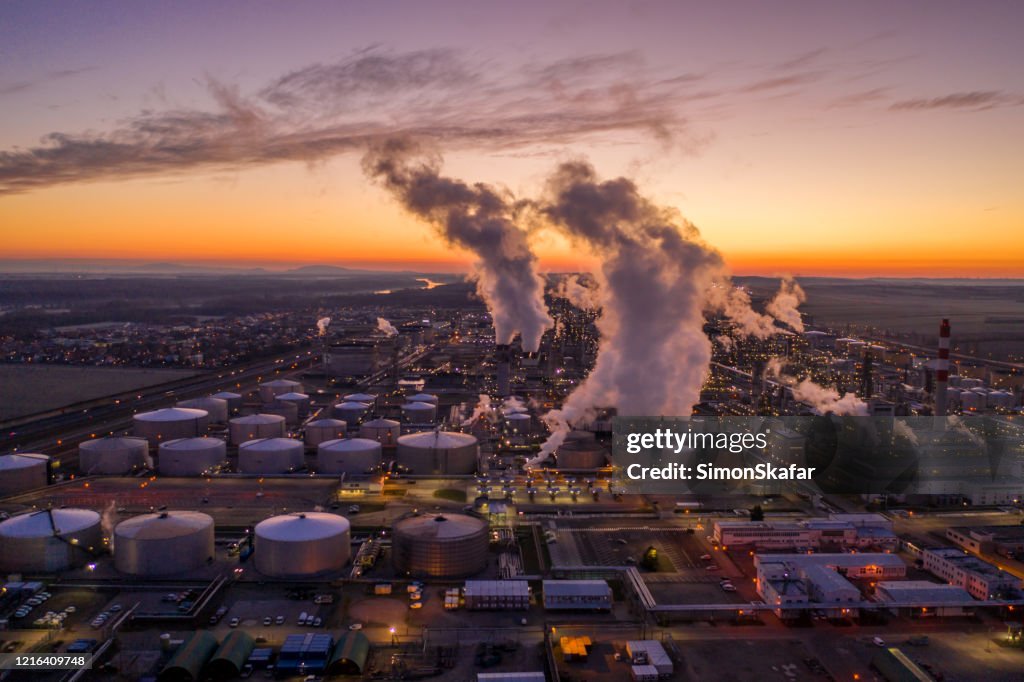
[(942, 370)]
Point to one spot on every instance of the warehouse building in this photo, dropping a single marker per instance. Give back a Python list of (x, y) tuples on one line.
[(981, 579), (497, 595), (304, 654), (577, 595), (920, 598)]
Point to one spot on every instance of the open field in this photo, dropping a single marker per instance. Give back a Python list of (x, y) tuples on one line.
[(28, 389)]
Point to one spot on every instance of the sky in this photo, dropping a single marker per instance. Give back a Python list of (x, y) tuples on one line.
[(851, 139)]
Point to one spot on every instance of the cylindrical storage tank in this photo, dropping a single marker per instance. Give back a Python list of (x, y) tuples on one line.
[(419, 413), (302, 545), (518, 422), (439, 545), (581, 454), (270, 456), (271, 389), (49, 541), (170, 423), (350, 412), (384, 431), (367, 398), (348, 456), (217, 408), (234, 400), (23, 471), (256, 426), (283, 408), (113, 455), (300, 400), (423, 398), (971, 401), (190, 456), (320, 430), (438, 452), (165, 543)]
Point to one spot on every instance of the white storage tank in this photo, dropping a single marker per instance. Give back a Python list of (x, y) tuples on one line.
[(234, 400), (518, 422), (113, 455), (164, 543), (217, 408), (970, 401), (190, 456), (438, 453), (271, 389), (170, 423), (270, 456), (419, 413), (302, 545), (283, 408), (350, 412), (439, 545), (49, 541), (348, 456), (256, 426), (301, 401), (384, 431), (320, 430), (23, 471), (367, 398), (423, 398)]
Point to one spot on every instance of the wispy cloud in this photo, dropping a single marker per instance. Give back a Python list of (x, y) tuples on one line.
[(24, 85), (327, 109), (977, 99)]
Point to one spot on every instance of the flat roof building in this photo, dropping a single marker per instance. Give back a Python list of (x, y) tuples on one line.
[(577, 595)]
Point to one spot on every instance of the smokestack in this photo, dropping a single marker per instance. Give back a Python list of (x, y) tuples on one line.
[(504, 359), (942, 370)]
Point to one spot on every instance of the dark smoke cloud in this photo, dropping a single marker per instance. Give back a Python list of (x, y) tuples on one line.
[(328, 109), (476, 217)]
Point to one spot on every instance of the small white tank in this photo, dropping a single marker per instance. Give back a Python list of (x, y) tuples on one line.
[(256, 426), (350, 412), (170, 423), (270, 456), (419, 413), (190, 456), (113, 455), (384, 431), (23, 471), (348, 456), (217, 408), (271, 389), (320, 430)]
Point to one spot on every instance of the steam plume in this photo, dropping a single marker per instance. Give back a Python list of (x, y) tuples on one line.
[(581, 293), (478, 218), (825, 400), (322, 324), (483, 409), (386, 327), (784, 307)]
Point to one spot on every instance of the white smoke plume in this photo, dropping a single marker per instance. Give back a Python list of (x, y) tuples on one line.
[(481, 219), (579, 291), (483, 409), (734, 303), (108, 519), (785, 306), (825, 400), (386, 327), (322, 324), (513, 404), (725, 342)]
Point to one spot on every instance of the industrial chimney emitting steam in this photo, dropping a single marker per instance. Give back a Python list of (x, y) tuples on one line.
[(942, 370)]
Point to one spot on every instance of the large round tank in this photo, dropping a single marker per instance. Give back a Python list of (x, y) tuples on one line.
[(300, 400), (271, 389), (419, 413), (234, 400), (439, 545), (367, 398), (350, 412), (423, 398), (255, 426), (320, 430), (518, 422), (581, 454), (384, 431), (270, 456), (23, 471), (49, 541), (190, 456), (438, 452), (164, 543), (283, 408), (217, 408), (348, 456), (170, 423), (113, 455), (302, 545)]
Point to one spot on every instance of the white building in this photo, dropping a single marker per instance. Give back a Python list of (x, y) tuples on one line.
[(981, 579)]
